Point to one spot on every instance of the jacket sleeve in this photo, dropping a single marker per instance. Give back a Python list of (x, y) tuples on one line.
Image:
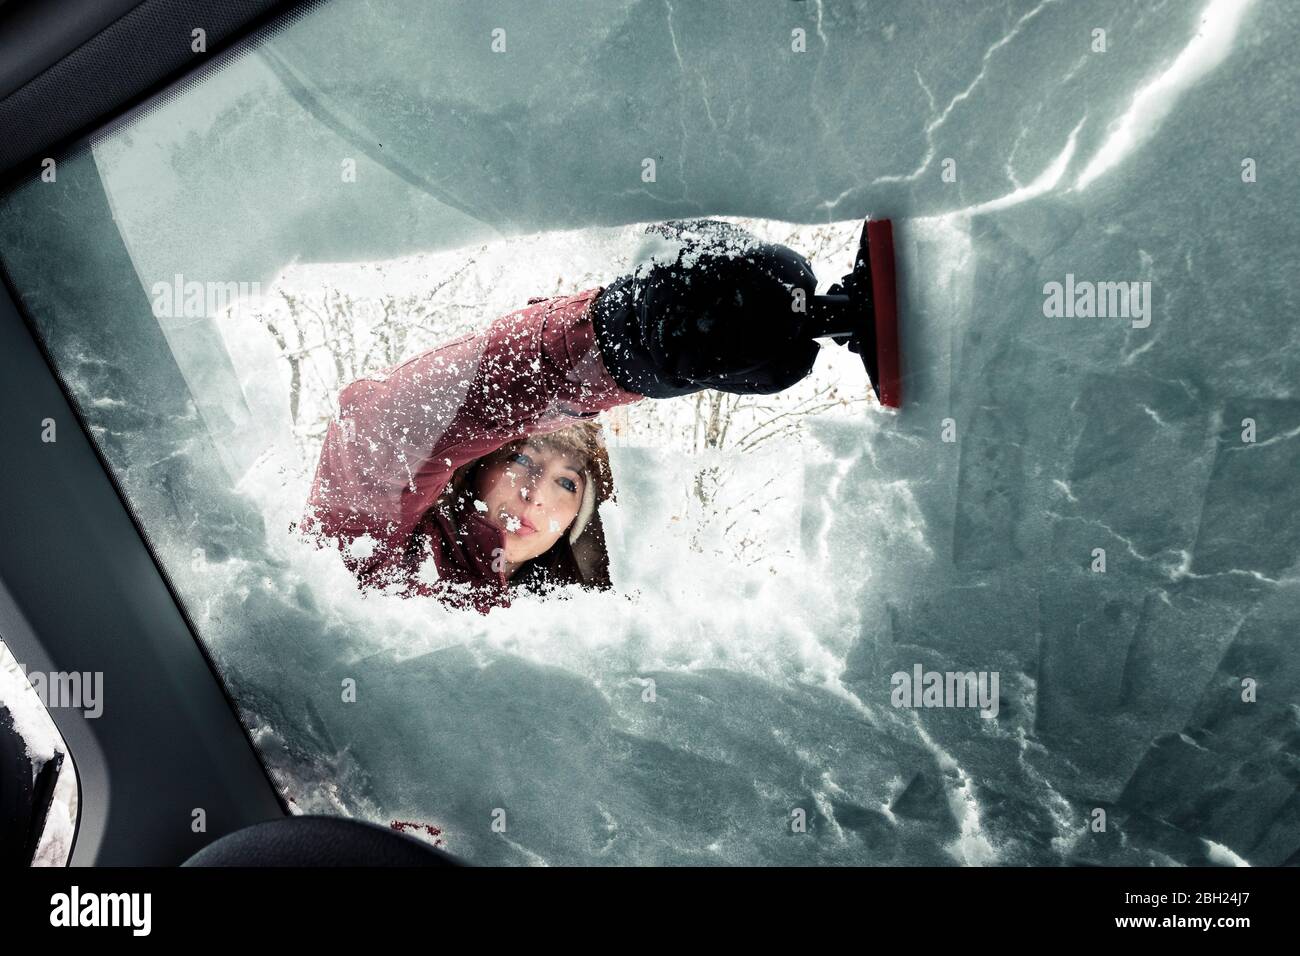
[(398, 437)]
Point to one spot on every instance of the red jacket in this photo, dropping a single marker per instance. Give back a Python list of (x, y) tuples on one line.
[(399, 436)]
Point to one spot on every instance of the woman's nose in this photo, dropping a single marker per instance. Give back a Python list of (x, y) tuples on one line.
[(530, 492)]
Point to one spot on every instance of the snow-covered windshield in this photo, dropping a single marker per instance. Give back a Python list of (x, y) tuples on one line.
[(1086, 504)]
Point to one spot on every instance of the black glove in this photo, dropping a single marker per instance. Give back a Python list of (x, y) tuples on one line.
[(721, 315)]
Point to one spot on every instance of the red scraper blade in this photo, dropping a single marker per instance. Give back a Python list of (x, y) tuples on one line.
[(880, 247)]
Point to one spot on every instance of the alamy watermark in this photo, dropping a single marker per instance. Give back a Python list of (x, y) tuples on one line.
[(191, 299), (71, 689), (75, 908), (923, 688), (1103, 300)]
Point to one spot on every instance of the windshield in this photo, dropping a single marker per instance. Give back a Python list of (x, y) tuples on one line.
[(278, 290)]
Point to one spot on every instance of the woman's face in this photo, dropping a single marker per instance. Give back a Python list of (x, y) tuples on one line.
[(533, 493)]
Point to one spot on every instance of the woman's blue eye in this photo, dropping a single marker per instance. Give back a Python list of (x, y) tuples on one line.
[(520, 458)]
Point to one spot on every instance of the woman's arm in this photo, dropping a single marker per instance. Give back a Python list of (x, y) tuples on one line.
[(398, 438)]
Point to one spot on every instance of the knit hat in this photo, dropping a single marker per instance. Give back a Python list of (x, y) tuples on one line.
[(586, 509)]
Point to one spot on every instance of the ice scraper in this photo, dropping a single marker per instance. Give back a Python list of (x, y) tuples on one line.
[(861, 311)]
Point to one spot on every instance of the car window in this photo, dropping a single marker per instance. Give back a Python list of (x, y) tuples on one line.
[(38, 780), (271, 291)]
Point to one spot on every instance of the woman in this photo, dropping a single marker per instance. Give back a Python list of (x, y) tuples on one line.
[(471, 469)]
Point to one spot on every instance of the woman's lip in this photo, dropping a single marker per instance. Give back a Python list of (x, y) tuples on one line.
[(525, 526)]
